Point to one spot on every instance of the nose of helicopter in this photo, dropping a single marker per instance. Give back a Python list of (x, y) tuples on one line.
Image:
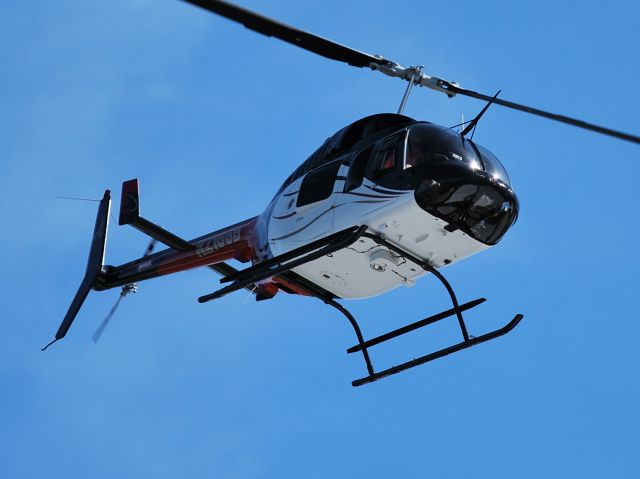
[(472, 201)]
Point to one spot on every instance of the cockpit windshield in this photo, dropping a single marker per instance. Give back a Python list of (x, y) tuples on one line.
[(493, 166), (429, 143), (462, 183)]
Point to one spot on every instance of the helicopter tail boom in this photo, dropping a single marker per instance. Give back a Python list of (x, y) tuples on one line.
[(211, 250)]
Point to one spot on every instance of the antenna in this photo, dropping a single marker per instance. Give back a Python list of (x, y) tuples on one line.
[(472, 124)]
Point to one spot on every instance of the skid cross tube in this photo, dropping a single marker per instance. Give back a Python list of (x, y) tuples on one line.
[(413, 326)]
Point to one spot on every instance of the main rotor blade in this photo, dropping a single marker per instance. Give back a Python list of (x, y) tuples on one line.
[(335, 51), (535, 111), (299, 38)]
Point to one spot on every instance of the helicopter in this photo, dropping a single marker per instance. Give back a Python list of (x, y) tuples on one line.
[(381, 203)]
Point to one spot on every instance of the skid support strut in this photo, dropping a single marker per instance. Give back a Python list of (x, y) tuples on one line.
[(362, 346)]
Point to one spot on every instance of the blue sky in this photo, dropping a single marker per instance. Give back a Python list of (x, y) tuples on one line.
[(211, 118)]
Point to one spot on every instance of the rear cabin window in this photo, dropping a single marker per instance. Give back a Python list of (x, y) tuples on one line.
[(318, 184)]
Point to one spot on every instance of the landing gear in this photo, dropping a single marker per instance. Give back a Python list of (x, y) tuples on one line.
[(283, 264), (457, 310)]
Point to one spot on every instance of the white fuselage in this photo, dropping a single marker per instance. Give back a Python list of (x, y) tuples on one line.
[(365, 268)]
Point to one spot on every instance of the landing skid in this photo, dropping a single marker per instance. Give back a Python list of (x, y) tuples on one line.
[(283, 264)]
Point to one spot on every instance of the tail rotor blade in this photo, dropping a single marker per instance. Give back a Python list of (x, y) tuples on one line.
[(96, 336), (149, 249), (126, 289)]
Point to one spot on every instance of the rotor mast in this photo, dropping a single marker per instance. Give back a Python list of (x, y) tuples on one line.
[(417, 71)]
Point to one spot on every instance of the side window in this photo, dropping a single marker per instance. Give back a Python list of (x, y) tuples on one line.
[(389, 156), (357, 168), (318, 184)]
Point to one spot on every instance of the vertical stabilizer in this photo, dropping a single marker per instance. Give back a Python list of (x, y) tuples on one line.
[(94, 266)]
